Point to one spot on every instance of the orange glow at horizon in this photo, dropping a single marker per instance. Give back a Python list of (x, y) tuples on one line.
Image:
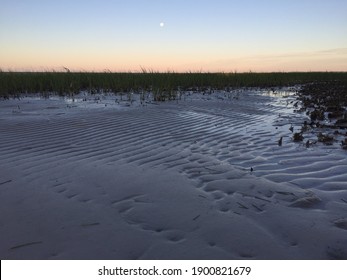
[(329, 60)]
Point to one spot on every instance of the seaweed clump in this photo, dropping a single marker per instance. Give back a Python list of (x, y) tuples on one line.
[(326, 105)]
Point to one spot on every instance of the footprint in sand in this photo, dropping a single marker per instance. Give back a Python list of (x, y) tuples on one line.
[(341, 223), (128, 203)]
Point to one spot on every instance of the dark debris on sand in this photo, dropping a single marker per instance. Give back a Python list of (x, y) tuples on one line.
[(326, 105)]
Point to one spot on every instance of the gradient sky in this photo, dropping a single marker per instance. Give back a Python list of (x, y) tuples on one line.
[(206, 35)]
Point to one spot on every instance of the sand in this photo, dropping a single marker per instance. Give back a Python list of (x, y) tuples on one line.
[(198, 178)]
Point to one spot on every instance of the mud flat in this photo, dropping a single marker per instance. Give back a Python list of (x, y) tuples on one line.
[(204, 177)]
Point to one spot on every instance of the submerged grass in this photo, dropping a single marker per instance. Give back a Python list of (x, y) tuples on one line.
[(164, 85)]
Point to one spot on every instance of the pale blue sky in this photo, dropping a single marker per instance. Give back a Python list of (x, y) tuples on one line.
[(208, 35)]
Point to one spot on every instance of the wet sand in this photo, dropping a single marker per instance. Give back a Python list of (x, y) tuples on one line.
[(203, 177)]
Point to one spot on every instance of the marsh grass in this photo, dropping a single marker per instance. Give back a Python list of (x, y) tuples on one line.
[(164, 86)]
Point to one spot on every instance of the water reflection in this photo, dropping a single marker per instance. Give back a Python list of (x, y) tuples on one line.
[(281, 92)]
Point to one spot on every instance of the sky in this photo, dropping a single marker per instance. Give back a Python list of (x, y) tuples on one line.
[(175, 35)]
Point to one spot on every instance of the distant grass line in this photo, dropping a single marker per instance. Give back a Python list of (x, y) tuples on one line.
[(68, 83)]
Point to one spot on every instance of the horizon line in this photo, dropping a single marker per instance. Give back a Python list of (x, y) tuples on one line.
[(151, 71)]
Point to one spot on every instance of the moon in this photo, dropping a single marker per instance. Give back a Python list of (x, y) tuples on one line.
[(161, 24)]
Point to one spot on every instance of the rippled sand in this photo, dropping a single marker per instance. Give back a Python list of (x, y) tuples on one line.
[(199, 178)]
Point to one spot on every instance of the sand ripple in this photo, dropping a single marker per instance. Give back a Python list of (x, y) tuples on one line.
[(190, 179)]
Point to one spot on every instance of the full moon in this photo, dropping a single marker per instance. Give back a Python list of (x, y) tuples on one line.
[(161, 24)]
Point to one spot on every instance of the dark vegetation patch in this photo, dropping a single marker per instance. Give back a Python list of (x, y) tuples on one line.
[(162, 85)]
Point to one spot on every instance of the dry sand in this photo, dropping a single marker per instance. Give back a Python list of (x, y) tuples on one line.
[(110, 179)]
